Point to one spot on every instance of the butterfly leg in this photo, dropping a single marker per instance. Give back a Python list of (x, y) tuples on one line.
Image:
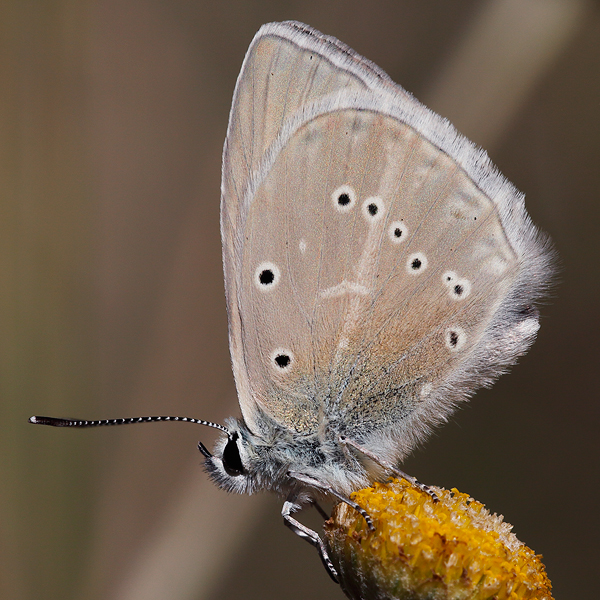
[(312, 537), (315, 483), (389, 467)]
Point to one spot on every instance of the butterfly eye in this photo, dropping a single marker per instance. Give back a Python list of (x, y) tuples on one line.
[(232, 462)]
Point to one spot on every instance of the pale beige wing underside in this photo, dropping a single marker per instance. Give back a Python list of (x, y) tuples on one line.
[(363, 264), (277, 79), (366, 317)]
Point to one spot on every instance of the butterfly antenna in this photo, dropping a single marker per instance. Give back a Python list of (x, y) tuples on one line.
[(57, 422)]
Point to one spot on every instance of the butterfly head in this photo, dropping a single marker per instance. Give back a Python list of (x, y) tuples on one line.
[(239, 464)]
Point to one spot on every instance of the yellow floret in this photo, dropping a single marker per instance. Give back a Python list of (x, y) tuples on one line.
[(453, 549)]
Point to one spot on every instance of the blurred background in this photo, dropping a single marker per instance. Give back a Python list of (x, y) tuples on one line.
[(112, 119)]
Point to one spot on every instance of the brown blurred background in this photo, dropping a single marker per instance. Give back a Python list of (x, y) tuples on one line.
[(112, 119)]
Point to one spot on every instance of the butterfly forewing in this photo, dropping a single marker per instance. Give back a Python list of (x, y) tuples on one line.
[(367, 263), (278, 77)]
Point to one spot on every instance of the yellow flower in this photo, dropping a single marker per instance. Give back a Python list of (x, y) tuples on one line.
[(453, 549)]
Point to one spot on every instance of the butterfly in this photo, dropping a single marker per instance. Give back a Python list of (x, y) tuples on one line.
[(378, 269)]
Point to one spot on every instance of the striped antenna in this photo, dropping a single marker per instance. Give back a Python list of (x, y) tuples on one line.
[(55, 422)]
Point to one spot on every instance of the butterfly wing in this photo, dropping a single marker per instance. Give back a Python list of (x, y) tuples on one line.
[(278, 77), (377, 267)]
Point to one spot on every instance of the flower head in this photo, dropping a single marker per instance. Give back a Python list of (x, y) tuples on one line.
[(453, 549)]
